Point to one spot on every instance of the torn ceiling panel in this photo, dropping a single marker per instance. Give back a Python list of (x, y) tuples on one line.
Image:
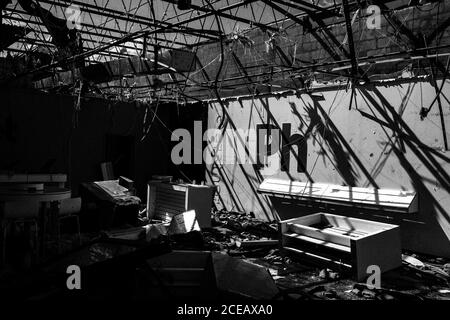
[(240, 47), (167, 61)]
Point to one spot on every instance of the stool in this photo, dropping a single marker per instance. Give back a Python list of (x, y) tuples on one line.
[(19, 212), (68, 209)]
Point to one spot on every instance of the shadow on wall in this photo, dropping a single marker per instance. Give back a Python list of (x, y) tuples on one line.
[(225, 177), (339, 153), (416, 228), (430, 207), (428, 231), (336, 154)]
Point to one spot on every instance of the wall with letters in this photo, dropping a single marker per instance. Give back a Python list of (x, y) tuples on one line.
[(383, 139)]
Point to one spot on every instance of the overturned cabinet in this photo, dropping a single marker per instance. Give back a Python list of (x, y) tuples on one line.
[(340, 240), (166, 199), (349, 244)]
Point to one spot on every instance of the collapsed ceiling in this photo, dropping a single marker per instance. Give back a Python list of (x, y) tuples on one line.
[(204, 49)]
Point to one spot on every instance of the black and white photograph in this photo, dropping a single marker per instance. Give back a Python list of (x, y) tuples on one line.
[(225, 158)]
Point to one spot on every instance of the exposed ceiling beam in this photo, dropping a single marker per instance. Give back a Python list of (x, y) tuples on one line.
[(130, 37), (351, 44), (120, 15), (301, 22), (87, 39), (310, 8), (102, 28), (222, 13)]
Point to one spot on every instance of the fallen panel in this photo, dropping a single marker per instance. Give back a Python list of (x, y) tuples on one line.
[(365, 198)]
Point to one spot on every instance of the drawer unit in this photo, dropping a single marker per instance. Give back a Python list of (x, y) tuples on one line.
[(347, 243)]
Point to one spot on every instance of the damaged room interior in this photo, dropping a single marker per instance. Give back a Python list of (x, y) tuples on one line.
[(225, 150)]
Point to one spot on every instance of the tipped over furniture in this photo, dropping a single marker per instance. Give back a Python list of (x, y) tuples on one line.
[(348, 244), (340, 240)]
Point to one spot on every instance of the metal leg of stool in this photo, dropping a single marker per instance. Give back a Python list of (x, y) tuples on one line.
[(43, 232), (29, 255), (4, 227), (58, 234), (78, 229), (36, 242)]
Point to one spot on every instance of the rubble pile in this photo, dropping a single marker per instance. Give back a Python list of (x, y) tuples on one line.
[(256, 242), (420, 277)]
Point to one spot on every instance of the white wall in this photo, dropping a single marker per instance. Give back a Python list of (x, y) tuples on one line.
[(329, 153)]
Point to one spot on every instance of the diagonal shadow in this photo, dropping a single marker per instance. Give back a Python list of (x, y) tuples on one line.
[(424, 155), (342, 161)]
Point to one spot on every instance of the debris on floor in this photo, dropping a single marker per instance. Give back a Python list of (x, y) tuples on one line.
[(254, 242), (419, 278)]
